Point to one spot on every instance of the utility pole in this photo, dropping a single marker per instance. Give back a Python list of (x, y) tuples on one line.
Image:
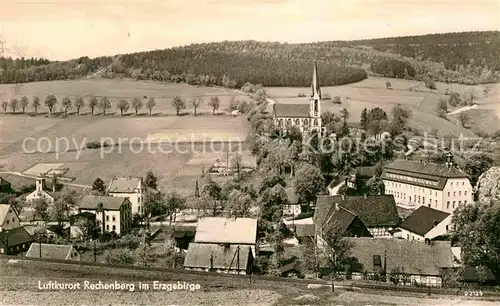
[(95, 253), (40, 245), (238, 258)]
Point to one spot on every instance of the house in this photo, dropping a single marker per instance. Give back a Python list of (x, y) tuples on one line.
[(116, 211), (439, 186), (293, 206), (221, 258), (81, 223), (344, 220), (15, 241), (231, 231), (305, 116), (132, 188), (183, 238), (378, 213), (415, 262), (5, 186), (41, 192), (8, 217), (425, 223), (293, 269), (358, 178), (53, 251)]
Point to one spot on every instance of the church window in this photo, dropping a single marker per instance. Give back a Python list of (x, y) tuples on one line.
[(306, 122), (315, 121), (289, 122), (280, 122), (297, 122), (315, 106)]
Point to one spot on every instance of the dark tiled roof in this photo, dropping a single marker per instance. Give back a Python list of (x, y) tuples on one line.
[(372, 210), (291, 110), (421, 221), (15, 236), (341, 216), (109, 203), (436, 173), (198, 256), (52, 251), (414, 257)]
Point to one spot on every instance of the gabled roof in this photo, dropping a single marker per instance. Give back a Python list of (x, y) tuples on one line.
[(291, 110), (15, 236), (374, 211), (226, 230), (3, 181), (4, 210), (108, 202), (51, 251), (223, 257), (422, 220), (341, 216), (428, 175), (413, 257), (124, 184)]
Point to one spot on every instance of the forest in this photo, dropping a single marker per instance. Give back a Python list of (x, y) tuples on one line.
[(465, 58)]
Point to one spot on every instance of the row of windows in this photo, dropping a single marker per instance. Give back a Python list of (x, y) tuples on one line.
[(113, 228), (459, 193), (412, 179), (297, 122), (454, 203), (107, 218), (13, 221), (415, 189), (457, 183)]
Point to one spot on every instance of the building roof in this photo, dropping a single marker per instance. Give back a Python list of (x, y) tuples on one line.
[(4, 210), (304, 230), (124, 184), (15, 236), (374, 211), (422, 220), (226, 230), (428, 175), (108, 202), (413, 257), (292, 196), (51, 251), (291, 110), (341, 216), (3, 181), (198, 256)]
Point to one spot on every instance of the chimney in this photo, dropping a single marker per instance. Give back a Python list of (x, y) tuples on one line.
[(336, 206), (435, 223)]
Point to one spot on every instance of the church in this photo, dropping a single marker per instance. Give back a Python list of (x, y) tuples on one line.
[(305, 116)]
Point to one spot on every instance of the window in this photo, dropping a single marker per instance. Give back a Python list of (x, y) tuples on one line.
[(107, 218), (13, 220), (448, 204), (423, 200), (459, 203), (114, 227), (454, 204), (465, 193), (454, 194), (114, 219), (107, 227), (8, 221), (436, 202), (448, 193), (465, 202), (418, 199), (463, 183), (297, 122), (315, 121)]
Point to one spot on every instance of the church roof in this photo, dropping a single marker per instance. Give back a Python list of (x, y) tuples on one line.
[(316, 90), (291, 110)]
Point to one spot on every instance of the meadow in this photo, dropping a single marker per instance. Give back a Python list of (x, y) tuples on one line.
[(117, 89), (372, 92), (189, 143)]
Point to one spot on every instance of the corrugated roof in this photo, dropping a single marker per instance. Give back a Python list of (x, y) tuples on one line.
[(373, 211), (51, 251), (109, 203), (421, 221), (291, 110), (223, 257), (124, 184), (226, 230), (413, 257), (15, 236)]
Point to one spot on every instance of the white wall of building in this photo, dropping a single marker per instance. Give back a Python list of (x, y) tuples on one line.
[(111, 220), (11, 220), (136, 199)]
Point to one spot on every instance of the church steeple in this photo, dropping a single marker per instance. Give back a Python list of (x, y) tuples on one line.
[(316, 90)]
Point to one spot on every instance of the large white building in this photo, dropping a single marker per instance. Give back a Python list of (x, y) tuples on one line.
[(304, 116), (40, 192), (439, 186), (116, 212)]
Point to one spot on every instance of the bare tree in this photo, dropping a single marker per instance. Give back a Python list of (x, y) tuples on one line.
[(137, 104), (79, 103), (214, 104), (123, 106), (150, 105), (196, 102), (463, 119), (24, 103), (14, 103)]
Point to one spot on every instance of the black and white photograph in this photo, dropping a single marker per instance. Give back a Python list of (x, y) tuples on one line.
[(250, 152)]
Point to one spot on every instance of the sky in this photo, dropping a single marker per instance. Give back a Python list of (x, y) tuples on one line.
[(65, 29)]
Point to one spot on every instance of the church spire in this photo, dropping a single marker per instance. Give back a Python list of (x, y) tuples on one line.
[(316, 90)]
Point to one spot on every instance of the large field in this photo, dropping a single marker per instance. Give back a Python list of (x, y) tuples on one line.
[(116, 89), (176, 148), (372, 93)]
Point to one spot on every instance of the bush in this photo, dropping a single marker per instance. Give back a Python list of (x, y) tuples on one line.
[(337, 100), (119, 256), (96, 145), (301, 95)]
